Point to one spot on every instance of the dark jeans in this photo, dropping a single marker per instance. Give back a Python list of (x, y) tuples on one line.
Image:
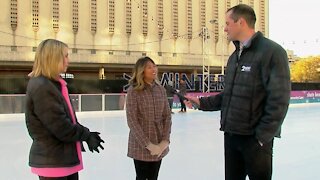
[(74, 176), (147, 170), (170, 101), (183, 105), (244, 156)]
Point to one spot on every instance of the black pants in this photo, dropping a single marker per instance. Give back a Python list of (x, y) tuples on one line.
[(147, 170), (170, 101), (183, 105), (244, 156), (74, 176)]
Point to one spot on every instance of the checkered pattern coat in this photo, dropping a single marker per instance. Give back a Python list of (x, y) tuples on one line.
[(149, 120)]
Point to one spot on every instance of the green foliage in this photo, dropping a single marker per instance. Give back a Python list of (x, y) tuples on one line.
[(306, 70)]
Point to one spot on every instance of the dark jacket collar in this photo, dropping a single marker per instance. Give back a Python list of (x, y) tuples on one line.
[(251, 42)]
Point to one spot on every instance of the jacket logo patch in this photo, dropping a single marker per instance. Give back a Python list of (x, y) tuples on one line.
[(246, 68)]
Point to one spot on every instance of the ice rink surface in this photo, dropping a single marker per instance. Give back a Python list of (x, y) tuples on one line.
[(196, 150)]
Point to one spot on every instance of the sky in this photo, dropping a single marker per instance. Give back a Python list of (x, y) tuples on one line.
[(295, 24)]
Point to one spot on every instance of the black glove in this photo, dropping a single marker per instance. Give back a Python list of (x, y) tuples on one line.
[(94, 142)]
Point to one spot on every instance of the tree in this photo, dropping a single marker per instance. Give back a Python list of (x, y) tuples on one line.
[(306, 70)]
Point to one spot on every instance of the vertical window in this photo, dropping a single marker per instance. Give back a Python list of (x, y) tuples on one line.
[(55, 15), (35, 15), (14, 14), (251, 3), (160, 18), (216, 18), (228, 4), (189, 19), (175, 19), (93, 16), (262, 17), (111, 16), (75, 16), (128, 17), (145, 17), (203, 13)]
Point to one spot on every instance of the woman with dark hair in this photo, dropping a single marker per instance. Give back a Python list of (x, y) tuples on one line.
[(149, 120)]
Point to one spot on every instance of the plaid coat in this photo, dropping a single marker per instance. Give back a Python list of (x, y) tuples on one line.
[(149, 120)]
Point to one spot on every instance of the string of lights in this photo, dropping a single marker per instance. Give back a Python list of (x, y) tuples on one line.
[(195, 36), (305, 41)]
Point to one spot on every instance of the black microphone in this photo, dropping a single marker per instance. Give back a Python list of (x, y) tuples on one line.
[(194, 104)]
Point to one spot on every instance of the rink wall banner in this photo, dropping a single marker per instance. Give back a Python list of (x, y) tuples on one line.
[(176, 101), (305, 96)]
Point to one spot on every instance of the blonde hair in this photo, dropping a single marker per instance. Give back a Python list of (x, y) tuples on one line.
[(48, 57), (137, 76)]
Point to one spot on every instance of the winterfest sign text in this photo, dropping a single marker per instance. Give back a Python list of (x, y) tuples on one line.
[(193, 82)]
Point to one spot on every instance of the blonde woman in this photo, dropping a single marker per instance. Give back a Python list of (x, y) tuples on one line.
[(55, 152), (149, 120)]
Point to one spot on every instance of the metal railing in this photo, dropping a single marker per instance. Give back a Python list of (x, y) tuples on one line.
[(81, 102), (15, 103)]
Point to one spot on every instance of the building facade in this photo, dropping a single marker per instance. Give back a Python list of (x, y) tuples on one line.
[(106, 37)]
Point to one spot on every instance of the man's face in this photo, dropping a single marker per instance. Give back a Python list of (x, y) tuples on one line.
[(232, 28)]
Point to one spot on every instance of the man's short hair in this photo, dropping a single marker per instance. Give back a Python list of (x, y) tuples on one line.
[(243, 11)]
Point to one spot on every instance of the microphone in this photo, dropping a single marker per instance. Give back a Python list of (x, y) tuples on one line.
[(194, 104)]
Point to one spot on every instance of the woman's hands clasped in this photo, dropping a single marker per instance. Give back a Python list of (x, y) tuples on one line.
[(157, 150)]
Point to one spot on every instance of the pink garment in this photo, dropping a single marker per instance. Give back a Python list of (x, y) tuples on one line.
[(62, 171)]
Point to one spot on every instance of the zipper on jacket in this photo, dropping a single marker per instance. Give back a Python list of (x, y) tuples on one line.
[(231, 93)]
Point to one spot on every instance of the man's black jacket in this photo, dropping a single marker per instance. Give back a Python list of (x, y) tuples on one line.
[(257, 90)]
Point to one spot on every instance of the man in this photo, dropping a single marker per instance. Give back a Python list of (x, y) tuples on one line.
[(170, 93), (183, 92), (255, 99)]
